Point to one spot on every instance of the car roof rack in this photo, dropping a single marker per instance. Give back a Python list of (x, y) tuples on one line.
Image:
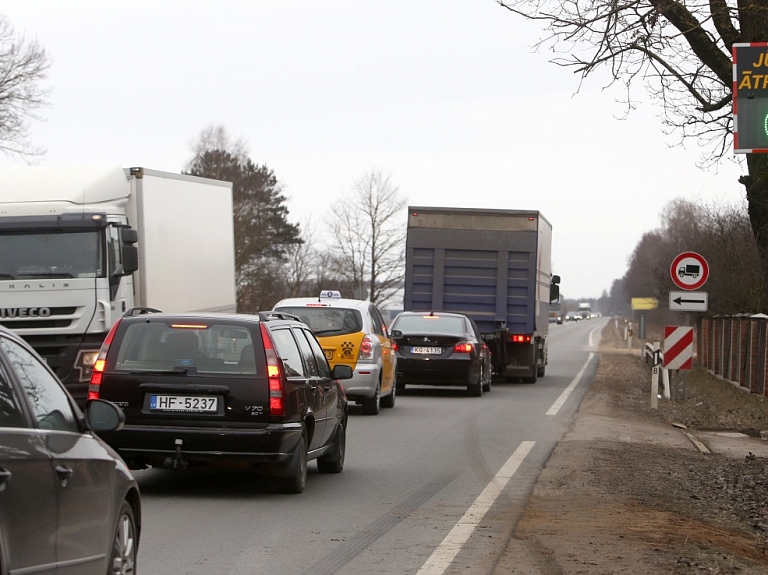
[(134, 311), (269, 315)]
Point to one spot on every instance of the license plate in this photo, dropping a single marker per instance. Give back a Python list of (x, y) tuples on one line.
[(328, 354), (191, 404), (427, 350)]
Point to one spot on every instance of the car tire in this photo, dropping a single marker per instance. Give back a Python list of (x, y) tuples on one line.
[(389, 400), (295, 478), (333, 462), (372, 405), (124, 544), (476, 389), (487, 385)]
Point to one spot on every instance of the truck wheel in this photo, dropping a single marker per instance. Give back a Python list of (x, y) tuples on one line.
[(372, 405)]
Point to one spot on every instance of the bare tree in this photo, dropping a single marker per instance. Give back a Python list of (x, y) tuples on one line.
[(680, 53), (369, 237), (23, 64)]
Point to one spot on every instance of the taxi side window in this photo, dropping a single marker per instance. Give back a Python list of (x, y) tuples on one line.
[(47, 397), (322, 362), (306, 351), (288, 352), (378, 328), (383, 323)]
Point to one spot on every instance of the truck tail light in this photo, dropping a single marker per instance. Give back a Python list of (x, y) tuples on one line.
[(519, 338), (98, 366), (463, 347), (274, 374), (366, 349)]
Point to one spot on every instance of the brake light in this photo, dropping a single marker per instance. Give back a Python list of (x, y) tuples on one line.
[(101, 360), (395, 347), (274, 374), (463, 347), (366, 349), (517, 338)]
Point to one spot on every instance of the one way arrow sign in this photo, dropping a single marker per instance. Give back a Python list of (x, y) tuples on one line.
[(688, 300)]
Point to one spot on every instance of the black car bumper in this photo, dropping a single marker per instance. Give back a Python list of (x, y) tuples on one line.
[(437, 371)]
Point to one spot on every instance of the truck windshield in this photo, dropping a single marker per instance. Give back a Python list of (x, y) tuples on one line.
[(51, 255)]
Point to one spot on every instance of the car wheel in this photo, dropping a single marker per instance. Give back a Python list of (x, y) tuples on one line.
[(487, 384), (389, 400), (372, 405), (124, 546), (295, 479), (476, 389), (333, 462), (541, 371)]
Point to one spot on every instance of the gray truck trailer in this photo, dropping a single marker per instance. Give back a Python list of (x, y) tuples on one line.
[(493, 266)]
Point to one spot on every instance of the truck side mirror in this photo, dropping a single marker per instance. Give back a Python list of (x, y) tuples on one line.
[(554, 290), (130, 254)]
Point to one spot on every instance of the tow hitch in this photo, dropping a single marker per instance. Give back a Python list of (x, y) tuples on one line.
[(176, 462)]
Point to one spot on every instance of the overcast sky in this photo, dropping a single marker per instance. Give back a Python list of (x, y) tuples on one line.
[(448, 97)]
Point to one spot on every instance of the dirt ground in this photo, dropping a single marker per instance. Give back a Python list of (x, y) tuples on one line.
[(628, 492)]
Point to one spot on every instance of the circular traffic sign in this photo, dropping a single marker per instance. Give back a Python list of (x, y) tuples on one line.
[(689, 271)]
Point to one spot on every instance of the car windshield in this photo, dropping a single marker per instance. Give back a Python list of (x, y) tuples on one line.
[(154, 346), (427, 324), (328, 321)]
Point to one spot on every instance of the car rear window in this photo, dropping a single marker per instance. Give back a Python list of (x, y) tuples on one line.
[(429, 324), (328, 321), (204, 347)]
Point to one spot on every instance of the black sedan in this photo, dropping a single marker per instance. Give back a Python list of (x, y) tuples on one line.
[(440, 348), (68, 503)]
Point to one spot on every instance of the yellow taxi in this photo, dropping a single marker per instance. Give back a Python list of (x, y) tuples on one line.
[(352, 332)]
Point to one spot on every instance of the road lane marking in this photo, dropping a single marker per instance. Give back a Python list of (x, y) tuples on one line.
[(568, 390), (446, 552)]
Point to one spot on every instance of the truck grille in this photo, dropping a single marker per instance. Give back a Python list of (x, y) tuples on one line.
[(41, 323)]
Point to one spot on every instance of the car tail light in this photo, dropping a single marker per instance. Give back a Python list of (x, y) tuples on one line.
[(463, 347), (517, 338), (98, 366), (395, 347), (366, 349), (274, 374)]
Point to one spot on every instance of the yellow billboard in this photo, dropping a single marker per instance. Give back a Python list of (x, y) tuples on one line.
[(642, 303)]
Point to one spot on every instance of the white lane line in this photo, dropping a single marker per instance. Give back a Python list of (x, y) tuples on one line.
[(568, 390), (445, 553)]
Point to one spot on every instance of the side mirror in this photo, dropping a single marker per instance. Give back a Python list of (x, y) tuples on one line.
[(102, 415), (130, 255), (554, 290), (396, 334), (341, 372)]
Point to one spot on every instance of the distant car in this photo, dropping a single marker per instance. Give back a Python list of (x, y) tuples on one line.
[(556, 318), (233, 391), (68, 503), (572, 316), (352, 332), (440, 348)]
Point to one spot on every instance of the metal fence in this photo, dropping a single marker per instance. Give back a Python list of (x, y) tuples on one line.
[(734, 347)]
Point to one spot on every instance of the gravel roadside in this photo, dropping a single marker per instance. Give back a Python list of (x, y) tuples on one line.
[(627, 492)]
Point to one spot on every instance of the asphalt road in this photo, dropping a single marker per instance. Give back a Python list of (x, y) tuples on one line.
[(430, 486)]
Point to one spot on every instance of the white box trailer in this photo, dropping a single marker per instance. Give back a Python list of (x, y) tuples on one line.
[(80, 246)]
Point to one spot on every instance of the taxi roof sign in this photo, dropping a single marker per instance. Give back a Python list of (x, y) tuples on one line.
[(330, 293)]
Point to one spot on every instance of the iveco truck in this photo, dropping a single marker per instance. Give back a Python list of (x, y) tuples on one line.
[(81, 246), (493, 266)]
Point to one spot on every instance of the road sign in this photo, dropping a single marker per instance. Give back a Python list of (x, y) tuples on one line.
[(689, 271), (678, 347), (750, 98), (643, 303), (688, 301)]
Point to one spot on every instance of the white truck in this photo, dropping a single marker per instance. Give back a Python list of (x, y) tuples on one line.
[(81, 246)]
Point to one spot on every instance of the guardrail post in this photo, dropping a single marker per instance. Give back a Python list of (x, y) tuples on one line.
[(656, 354)]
